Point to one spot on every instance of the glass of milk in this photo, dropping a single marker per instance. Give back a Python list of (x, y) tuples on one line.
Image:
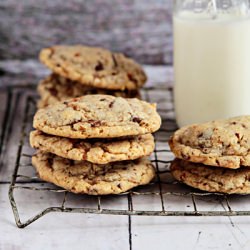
[(211, 59)]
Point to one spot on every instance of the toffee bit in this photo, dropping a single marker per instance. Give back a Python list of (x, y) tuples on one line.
[(74, 106), (81, 128), (94, 123), (99, 66)]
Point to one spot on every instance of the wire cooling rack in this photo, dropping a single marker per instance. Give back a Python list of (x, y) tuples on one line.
[(163, 197)]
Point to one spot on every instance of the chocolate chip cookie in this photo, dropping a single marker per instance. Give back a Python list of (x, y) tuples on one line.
[(212, 179), (55, 88), (98, 116), (96, 67), (100, 152), (221, 143), (83, 177)]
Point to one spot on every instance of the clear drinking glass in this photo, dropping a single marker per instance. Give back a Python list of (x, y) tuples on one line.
[(211, 59)]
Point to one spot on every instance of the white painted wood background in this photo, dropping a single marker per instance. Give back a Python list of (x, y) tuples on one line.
[(83, 231)]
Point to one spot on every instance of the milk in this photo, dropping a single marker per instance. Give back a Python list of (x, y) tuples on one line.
[(212, 68)]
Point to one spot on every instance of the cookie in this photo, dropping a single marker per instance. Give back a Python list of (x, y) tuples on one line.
[(99, 152), (96, 67), (221, 143), (83, 177), (56, 88), (212, 179), (98, 116)]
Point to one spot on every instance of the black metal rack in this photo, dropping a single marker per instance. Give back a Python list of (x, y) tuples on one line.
[(163, 197)]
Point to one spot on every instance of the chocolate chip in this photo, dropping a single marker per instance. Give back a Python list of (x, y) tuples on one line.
[(200, 135), (103, 99), (136, 119), (71, 162), (77, 54), (201, 145), (111, 104), (237, 135), (99, 66), (53, 91), (50, 161), (243, 125)]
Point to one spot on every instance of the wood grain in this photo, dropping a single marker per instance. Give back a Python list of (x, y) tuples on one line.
[(140, 29)]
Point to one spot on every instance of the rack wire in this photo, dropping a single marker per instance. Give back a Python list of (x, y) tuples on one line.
[(163, 197)]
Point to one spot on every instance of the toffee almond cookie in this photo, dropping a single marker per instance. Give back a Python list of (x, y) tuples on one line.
[(96, 67), (87, 178), (221, 143), (212, 179), (98, 116), (100, 152), (55, 88)]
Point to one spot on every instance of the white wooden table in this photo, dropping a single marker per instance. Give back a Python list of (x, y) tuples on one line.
[(94, 231)]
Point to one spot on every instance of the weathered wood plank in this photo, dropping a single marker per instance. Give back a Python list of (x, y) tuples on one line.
[(59, 231), (141, 29)]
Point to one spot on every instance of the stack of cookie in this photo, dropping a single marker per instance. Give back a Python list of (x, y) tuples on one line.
[(95, 144), (214, 156), (81, 70)]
